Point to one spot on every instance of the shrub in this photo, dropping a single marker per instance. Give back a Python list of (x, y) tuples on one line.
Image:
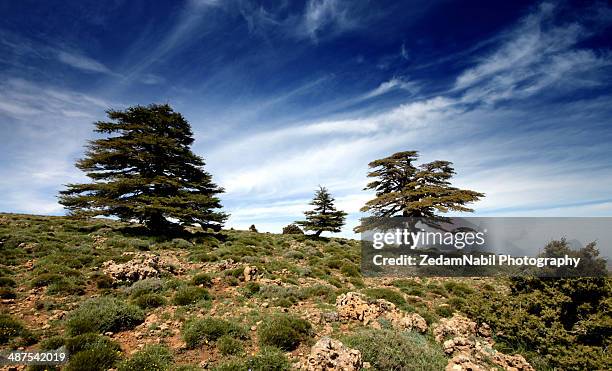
[(284, 331), (198, 331), (387, 349), (386, 294), (203, 279), (444, 311), (227, 345), (150, 300), (104, 314), (104, 281), (91, 352), (7, 282), (458, 288), (268, 359), (7, 293), (147, 285), (9, 328), (350, 270), (292, 229), (153, 357), (250, 289), (190, 295)]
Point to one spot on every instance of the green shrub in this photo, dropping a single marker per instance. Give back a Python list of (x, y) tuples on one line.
[(104, 281), (350, 270), (199, 331), (227, 345), (91, 352), (9, 328), (104, 314), (7, 293), (268, 359), (284, 331), (150, 300), (387, 349), (190, 295), (7, 282), (147, 285), (292, 229), (458, 288), (444, 311), (386, 294), (203, 279), (153, 357), (250, 289)]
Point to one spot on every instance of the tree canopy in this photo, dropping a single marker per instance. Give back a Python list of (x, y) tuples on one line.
[(405, 189), (143, 169), (324, 217)]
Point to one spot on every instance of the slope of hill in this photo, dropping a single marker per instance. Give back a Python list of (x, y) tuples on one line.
[(115, 297)]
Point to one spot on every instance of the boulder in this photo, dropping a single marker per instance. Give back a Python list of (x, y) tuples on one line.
[(329, 354)]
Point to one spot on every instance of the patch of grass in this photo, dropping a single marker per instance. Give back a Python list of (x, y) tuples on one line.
[(227, 345), (91, 352), (445, 311), (199, 331), (150, 300), (7, 282), (190, 295), (458, 288), (386, 294), (387, 349), (104, 314), (153, 357), (350, 270), (9, 328), (268, 359), (284, 331), (203, 279)]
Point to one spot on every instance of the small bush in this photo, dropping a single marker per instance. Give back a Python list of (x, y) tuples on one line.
[(387, 349), (227, 345), (150, 300), (350, 270), (250, 289), (199, 331), (203, 279), (386, 294), (147, 285), (268, 359), (91, 352), (444, 311), (104, 281), (7, 293), (292, 229), (190, 295), (284, 331), (9, 328), (153, 357), (104, 314), (458, 288), (7, 282)]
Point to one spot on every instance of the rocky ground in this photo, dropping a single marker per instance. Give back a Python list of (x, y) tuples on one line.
[(117, 298)]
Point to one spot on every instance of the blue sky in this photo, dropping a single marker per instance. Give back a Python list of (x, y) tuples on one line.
[(286, 95)]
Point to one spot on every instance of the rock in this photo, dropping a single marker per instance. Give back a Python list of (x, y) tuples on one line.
[(330, 317), (330, 354), (141, 266), (355, 306), (471, 346), (250, 273)]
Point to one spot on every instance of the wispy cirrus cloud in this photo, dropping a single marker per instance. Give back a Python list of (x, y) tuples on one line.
[(82, 62)]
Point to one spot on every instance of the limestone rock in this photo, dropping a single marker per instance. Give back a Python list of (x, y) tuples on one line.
[(250, 273), (330, 354), (141, 266)]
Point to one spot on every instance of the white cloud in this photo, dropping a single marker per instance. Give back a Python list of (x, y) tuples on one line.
[(82, 62), (395, 83)]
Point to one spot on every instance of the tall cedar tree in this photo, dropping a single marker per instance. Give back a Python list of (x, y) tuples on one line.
[(145, 170), (403, 189), (324, 217)]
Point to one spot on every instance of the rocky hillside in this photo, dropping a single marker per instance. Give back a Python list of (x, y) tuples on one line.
[(116, 298)]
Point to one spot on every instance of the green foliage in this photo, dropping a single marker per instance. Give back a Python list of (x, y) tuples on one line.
[(7, 293), (324, 217), (91, 352), (145, 170), (268, 359), (292, 229), (386, 294), (284, 331), (350, 270), (187, 295), (153, 357), (199, 331), (565, 322), (227, 345), (388, 349), (458, 288), (104, 314), (9, 328), (7, 282), (203, 279), (150, 300), (145, 286), (410, 191)]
